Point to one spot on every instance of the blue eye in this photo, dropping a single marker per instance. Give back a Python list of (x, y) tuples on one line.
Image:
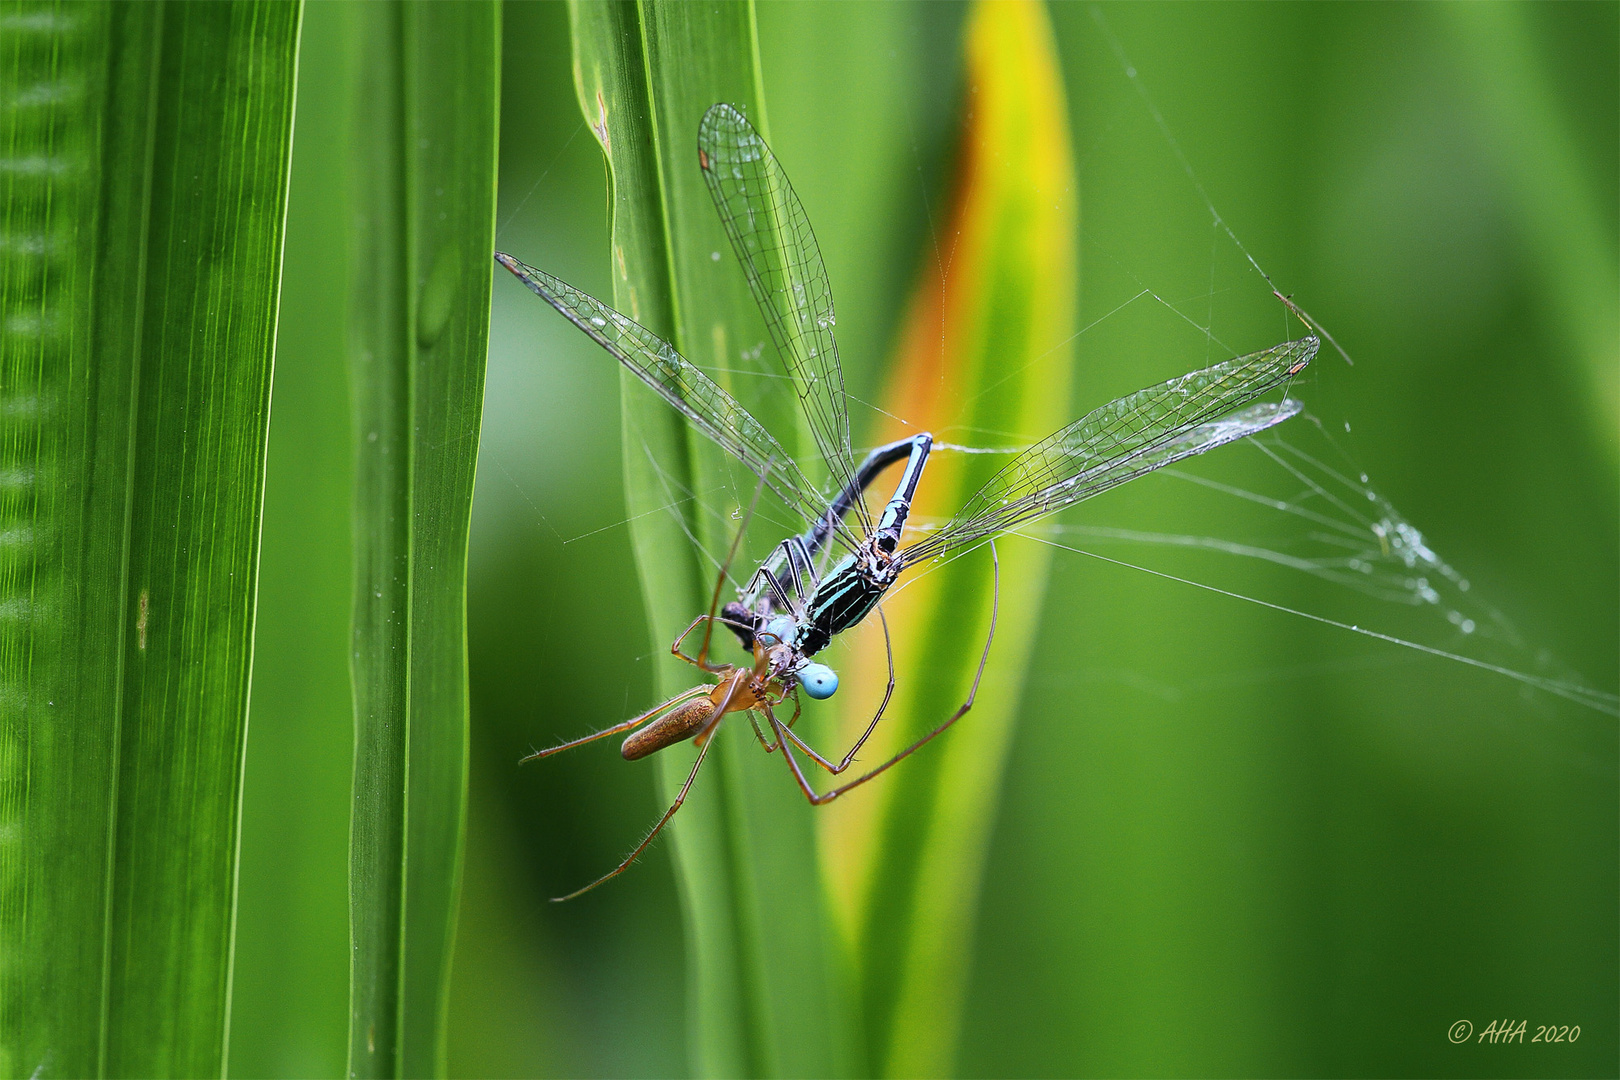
[(818, 680), (780, 628)]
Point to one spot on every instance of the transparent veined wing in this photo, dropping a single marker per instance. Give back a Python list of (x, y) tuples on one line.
[(692, 393), (771, 236), (1124, 439)]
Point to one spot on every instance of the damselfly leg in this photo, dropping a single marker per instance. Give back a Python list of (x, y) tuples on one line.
[(738, 617), (785, 735), (871, 726)]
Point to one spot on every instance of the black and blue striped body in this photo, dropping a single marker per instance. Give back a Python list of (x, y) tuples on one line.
[(847, 595), (854, 586)]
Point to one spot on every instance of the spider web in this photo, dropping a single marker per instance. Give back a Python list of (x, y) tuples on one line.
[(1309, 509)]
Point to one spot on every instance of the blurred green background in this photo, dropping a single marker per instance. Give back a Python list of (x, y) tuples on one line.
[(1232, 841)]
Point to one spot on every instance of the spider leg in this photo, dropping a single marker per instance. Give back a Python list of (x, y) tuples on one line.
[(888, 647), (703, 751), (826, 797), (702, 659), (616, 728), (768, 747)]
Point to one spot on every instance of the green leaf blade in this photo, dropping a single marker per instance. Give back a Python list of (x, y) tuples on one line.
[(766, 992), (219, 173), (161, 138), (54, 789), (985, 350), (426, 166)]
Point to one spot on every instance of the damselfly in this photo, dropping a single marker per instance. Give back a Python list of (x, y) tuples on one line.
[(829, 577)]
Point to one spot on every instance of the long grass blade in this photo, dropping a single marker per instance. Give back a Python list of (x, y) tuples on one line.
[(425, 174), (290, 978), (984, 349), (767, 996), (143, 169), (1568, 238)]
